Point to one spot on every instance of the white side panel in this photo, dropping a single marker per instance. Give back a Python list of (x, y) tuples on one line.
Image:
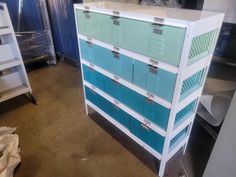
[(7, 53), (10, 81)]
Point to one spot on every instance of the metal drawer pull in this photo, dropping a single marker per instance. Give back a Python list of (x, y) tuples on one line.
[(116, 54), (115, 20), (145, 127), (153, 69), (149, 100), (157, 28), (90, 44)]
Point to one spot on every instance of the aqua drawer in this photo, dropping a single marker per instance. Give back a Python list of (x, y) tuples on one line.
[(156, 113), (113, 30), (178, 138), (154, 80), (113, 88), (93, 77), (118, 64), (87, 51), (89, 23), (150, 39), (147, 135), (121, 116)]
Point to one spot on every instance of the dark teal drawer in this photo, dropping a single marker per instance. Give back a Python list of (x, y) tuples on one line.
[(89, 23), (94, 77), (155, 80), (121, 116), (147, 135), (99, 101)]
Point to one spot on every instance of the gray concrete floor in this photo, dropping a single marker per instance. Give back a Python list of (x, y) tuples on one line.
[(58, 139)]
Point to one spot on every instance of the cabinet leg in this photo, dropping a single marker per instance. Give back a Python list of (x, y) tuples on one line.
[(162, 168), (184, 148), (86, 109), (32, 98)]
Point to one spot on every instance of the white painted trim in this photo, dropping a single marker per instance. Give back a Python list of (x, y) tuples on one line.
[(189, 99), (127, 84), (134, 114), (81, 68), (5, 31), (177, 148), (136, 56), (9, 64), (197, 66), (183, 125), (124, 130)]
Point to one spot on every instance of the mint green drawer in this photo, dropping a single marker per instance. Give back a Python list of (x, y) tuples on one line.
[(89, 24), (158, 42)]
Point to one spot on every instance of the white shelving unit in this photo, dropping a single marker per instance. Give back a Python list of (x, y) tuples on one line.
[(98, 21), (13, 77)]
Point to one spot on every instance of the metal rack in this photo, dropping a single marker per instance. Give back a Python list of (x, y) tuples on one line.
[(13, 77), (144, 69)]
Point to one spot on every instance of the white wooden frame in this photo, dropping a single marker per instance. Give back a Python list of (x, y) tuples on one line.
[(193, 28), (20, 75)]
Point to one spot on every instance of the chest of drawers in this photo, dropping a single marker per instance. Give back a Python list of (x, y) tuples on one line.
[(144, 69)]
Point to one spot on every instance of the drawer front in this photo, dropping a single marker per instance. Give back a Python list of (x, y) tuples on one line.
[(151, 110), (154, 80), (99, 101), (152, 40), (113, 88), (147, 135), (87, 51), (113, 30), (89, 24), (93, 77), (156, 113), (115, 112), (116, 63), (121, 116)]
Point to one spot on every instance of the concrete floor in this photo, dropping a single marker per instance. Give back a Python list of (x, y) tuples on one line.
[(58, 139)]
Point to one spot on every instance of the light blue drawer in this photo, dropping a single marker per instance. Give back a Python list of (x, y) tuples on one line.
[(155, 80), (116, 63), (147, 135), (93, 77)]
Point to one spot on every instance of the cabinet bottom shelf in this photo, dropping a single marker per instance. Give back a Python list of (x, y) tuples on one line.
[(137, 140), (13, 92)]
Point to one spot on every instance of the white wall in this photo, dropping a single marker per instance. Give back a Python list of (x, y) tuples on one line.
[(227, 6), (222, 162)]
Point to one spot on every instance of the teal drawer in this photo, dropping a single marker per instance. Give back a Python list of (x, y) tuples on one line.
[(99, 101), (155, 80), (152, 40), (89, 24), (151, 110), (93, 77), (121, 116), (156, 113), (147, 135), (112, 88), (112, 110)]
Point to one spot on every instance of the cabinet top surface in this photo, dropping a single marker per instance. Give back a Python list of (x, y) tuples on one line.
[(163, 12)]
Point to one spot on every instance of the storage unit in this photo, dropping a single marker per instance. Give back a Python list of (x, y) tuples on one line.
[(144, 69), (13, 78)]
